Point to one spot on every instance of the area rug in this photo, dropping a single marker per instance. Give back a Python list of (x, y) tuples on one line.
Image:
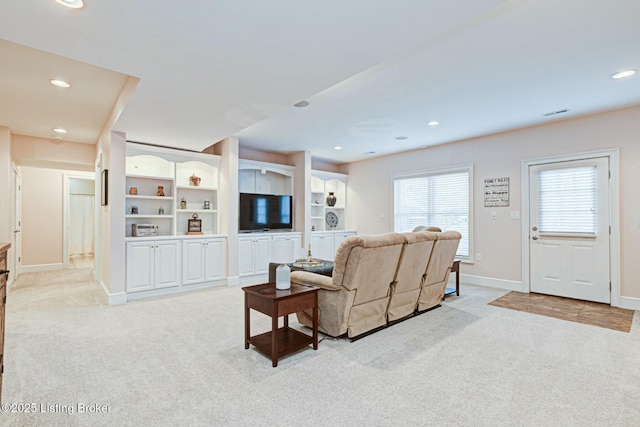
[(586, 312)]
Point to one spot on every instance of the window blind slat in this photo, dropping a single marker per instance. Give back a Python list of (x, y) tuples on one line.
[(437, 200), (567, 200)]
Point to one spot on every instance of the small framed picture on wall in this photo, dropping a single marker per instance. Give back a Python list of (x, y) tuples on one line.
[(104, 193)]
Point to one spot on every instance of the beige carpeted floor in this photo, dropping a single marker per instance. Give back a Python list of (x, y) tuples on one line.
[(180, 360)]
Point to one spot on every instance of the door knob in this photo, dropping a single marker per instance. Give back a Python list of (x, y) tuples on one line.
[(535, 228), (535, 237)]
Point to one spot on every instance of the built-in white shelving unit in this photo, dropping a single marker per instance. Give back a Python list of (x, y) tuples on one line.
[(323, 183), (172, 261), (147, 172)]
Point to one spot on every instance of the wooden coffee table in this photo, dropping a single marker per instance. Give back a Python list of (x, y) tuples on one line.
[(273, 302)]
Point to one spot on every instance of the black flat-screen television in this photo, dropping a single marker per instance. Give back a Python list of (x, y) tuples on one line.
[(264, 212)]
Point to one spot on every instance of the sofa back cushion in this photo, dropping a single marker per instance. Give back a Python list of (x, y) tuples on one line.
[(414, 260), (367, 264), (444, 252)]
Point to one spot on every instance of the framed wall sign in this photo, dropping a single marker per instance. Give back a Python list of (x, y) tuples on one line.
[(496, 192)]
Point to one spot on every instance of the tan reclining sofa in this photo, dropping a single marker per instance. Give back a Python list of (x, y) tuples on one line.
[(379, 279)]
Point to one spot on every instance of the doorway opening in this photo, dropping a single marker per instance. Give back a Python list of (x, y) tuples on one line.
[(79, 221)]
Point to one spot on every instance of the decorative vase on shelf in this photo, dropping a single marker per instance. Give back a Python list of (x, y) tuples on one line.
[(195, 180), (160, 191), (331, 199)]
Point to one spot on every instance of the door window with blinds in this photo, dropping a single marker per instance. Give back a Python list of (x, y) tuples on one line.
[(439, 198), (567, 200)]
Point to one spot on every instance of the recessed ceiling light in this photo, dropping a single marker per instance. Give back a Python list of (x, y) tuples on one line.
[(60, 130), (301, 104), (337, 147), (73, 4), (623, 74), (401, 138), (59, 83), (433, 123)]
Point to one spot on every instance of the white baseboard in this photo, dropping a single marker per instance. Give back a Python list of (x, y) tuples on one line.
[(233, 281), (254, 280), (630, 303), (132, 296), (118, 299), (41, 267), (490, 282), (113, 299)]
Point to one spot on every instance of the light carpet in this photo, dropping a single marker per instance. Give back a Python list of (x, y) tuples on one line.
[(180, 360)]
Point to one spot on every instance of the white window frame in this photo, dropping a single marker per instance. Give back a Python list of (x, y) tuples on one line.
[(441, 171)]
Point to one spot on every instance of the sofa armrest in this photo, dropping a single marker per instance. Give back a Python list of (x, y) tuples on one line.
[(313, 279)]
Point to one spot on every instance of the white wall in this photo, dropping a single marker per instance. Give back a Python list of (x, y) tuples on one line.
[(42, 152), (5, 185), (500, 155), (111, 234), (42, 211)]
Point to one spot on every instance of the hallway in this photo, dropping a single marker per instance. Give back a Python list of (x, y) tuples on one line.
[(81, 262), (59, 289)]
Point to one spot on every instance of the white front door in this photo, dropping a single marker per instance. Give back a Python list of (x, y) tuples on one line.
[(569, 229)]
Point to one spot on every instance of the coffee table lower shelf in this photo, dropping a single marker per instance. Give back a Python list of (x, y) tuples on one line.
[(289, 341)]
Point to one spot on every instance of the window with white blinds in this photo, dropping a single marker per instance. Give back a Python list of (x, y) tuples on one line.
[(567, 200), (440, 199)]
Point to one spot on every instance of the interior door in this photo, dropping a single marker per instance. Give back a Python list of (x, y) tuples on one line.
[(570, 226)]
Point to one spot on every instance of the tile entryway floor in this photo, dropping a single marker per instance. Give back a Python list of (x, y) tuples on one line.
[(589, 313)]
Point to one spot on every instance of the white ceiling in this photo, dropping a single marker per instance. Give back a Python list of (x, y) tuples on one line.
[(372, 70)]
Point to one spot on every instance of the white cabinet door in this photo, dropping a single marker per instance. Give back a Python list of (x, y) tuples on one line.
[(261, 257), (203, 260), (152, 265), (338, 238), (285, 249), (140, 266), (192, 261), (254, 254), (245, 258), (167, 263), (215, 259), (322, 246)]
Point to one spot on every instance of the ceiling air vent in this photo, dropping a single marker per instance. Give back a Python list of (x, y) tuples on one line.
[(553, 113)]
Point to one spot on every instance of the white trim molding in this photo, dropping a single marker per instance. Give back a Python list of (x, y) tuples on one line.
[(630, 303), (233, 281), (37, 268), (614, 191), (113, 299), (118, 299), (489, 282)]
